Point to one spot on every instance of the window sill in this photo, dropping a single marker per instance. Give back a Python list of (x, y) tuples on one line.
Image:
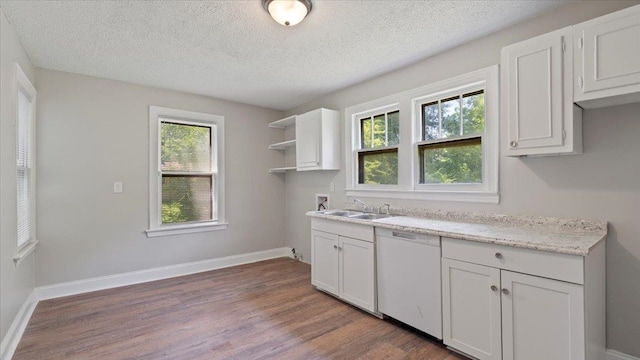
[(24, 251), (186, 229), (466, 196)]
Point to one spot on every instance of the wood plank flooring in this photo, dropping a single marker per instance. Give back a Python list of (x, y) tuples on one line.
[(264, 310)]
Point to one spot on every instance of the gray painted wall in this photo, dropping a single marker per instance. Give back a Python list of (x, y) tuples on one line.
[(15, 282), (92, 132), (602, 183)]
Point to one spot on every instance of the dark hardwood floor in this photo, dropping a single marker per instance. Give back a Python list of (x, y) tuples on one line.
[(265, 310)]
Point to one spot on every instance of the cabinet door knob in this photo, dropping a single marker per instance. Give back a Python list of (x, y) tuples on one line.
[(505, 291), (494, 288), (498, 256), (339, 248), (514, 144), (335, 247)]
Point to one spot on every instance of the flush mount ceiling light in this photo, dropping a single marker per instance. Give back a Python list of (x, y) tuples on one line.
[(287, 12)]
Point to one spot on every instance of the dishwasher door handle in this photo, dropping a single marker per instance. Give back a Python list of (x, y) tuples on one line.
[(403, 235)]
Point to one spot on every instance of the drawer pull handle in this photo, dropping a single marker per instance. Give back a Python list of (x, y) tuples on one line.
[(494, 288), (505, 291), (498, 256)]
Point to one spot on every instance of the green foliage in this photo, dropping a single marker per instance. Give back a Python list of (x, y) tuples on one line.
[(185, 147), (380, 168), (172, 213)]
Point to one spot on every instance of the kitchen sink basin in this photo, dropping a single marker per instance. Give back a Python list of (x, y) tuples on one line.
[(342, 213), (370, 216), (354, 214)]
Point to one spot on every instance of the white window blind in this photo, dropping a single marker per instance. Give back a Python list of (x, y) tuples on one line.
[(24, 167)]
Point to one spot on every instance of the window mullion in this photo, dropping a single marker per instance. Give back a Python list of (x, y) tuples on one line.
[(461, 117), (439, 119), (386, 129)]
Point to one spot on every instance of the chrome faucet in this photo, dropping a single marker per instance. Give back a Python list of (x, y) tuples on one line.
[(386, 207), (365, 206)]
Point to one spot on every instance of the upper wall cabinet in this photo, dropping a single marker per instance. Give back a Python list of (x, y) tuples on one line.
[(537, 104), (317, 140), (607, 61)]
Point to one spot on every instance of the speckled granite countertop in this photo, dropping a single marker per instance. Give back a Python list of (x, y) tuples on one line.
[(575, 237)]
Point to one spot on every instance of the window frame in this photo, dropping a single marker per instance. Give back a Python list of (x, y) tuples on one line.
[(419, 142), (355, 154), (410, 134), (216, 123), (23, 85)]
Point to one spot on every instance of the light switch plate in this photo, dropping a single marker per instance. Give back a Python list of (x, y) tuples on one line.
[(117, 187)]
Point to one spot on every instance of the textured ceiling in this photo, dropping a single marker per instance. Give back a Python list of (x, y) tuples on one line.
[(233, 50)]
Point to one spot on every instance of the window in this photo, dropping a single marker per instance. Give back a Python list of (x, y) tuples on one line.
[(450, 151), (25, 165), (186, 172), (378, 153), (442, 142)]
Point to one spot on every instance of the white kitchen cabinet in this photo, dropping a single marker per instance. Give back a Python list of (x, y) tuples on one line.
[(537, 87), (471, 310), (324, 257), (541, 318), (316, 143), (343, 261), (607, 59), (502, 302), (317, 140), (357, 275)]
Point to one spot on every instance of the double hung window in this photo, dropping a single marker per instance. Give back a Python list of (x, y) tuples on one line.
[(378, 152), (186, 172), (450, 147), (25, 101)]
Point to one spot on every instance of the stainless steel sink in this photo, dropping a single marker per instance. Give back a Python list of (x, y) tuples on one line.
[(354, 214), (342, 213), (370, 216)]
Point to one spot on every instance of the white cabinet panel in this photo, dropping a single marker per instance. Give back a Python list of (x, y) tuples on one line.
[(324, 260), (357, 275), (541, 318), (317, 140), (308, 140), (608, 59), (471, 309), (538, 97)]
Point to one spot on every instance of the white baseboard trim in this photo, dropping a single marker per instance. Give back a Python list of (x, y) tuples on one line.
[(616, 355), (19, 324), (159, 273)]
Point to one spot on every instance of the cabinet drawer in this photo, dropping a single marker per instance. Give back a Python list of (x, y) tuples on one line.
[(355, 231), (542, 263)]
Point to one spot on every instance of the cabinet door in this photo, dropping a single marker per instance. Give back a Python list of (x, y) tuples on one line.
[(610, 54), (471, 309), (537, 74), (357, 272), (324, 261), (541, 318), (308, 127)]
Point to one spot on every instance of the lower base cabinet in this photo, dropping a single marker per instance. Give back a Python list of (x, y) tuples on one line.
[(494, 311), (344, 265)]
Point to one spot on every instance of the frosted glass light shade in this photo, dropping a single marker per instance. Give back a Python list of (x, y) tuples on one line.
[(287, 12)]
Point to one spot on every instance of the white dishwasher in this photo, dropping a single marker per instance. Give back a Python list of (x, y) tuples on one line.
[(408, 269)]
